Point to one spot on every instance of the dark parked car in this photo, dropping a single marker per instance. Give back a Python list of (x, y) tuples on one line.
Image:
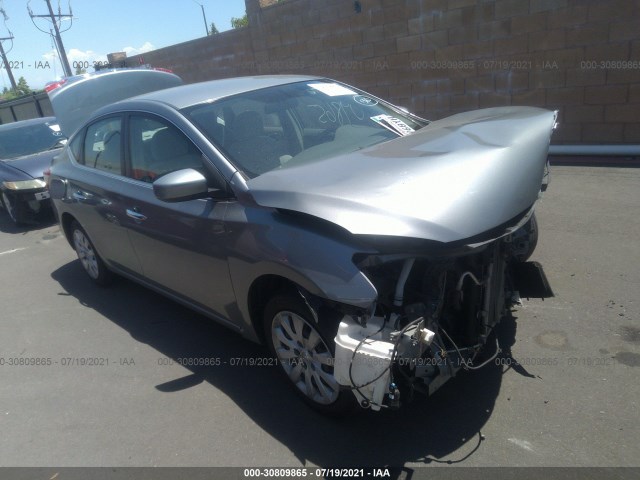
[(26, 150), (370, 249)]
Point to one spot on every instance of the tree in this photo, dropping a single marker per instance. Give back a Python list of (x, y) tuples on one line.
[(240, 22), (80, 70), (213, 30), (22, 88)]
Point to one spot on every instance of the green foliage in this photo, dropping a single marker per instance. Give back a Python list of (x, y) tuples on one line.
[(22, 88), (240, 22), (213, 30)]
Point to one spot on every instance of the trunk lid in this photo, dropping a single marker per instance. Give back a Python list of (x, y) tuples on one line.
[(79, 96)]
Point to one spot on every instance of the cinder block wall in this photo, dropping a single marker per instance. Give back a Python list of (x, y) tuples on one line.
[(439, 57)]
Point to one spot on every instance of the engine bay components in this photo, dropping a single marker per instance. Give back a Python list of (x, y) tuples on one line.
[(429, 323)]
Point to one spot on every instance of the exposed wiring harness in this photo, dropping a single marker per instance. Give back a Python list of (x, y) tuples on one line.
[(464, 364)]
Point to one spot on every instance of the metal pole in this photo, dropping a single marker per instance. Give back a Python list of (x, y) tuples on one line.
[(63, 54), (204, 17), (7, 66), (596, 150), (55, 44)]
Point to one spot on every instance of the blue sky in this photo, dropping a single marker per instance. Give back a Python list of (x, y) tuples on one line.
[(101, 27)]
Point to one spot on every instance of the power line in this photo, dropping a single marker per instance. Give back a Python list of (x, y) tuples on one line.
[(56, 19)]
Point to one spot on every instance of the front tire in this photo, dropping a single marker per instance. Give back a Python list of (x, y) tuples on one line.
[(89, 258), (305, 351), (530, 232), (10, 204)]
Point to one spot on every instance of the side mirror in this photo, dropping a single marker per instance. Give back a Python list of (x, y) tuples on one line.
[(183, 184)]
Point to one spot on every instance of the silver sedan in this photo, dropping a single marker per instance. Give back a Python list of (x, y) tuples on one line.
[(370, 249)]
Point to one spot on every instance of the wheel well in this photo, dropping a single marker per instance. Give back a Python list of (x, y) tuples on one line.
[(263, 289), (66, 221)]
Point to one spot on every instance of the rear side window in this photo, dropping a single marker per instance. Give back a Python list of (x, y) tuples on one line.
[(103, 145)]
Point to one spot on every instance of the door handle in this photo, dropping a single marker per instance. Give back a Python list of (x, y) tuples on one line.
[(80, 195), (137, 216)]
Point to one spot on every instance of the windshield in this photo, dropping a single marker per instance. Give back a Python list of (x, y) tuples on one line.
[(17, 140), (291, 124)]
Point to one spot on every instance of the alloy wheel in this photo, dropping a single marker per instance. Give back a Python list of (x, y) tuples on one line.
[(305, 357), (86, 254)]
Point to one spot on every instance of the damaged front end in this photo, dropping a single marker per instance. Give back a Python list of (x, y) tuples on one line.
[(434, 315), (446, 215)]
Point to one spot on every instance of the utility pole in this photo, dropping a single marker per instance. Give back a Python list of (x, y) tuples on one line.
[(204, 17), (3, 54), (6, 64), (58, 39)]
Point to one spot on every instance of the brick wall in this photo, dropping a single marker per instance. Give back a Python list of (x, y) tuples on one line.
[(438, 57)]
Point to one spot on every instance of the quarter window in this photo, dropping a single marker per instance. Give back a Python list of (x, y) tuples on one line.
[(102, 146), (76, 147)]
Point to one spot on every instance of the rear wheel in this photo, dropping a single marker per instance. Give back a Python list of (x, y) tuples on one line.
[(305, 351), (89, 258)]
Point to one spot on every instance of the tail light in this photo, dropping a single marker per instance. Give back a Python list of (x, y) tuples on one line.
[(53, 85)]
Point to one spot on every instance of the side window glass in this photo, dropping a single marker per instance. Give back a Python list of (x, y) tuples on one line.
[(157, 148), (76, 147), (102, 146)]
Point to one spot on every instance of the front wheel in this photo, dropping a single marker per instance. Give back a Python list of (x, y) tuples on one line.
[(89, 258), (10, 204), (305, 351), (528, 239)]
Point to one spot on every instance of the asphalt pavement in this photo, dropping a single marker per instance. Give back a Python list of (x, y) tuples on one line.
[(95, 376)]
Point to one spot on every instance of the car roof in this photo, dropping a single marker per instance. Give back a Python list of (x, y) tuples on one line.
[(206, 92), (27, 123)]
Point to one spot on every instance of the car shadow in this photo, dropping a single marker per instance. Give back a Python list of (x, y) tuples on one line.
[(448, 424), (42, 221)]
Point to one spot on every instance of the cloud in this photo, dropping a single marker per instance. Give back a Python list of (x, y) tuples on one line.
[(86, 59), (83, 59), (76, 55), (131, 51)]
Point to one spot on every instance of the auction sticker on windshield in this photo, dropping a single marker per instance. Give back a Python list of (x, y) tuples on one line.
[(332, 89), (394, 124)]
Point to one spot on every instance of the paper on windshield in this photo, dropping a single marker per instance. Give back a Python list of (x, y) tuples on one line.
[(394, 124), (332, 89)]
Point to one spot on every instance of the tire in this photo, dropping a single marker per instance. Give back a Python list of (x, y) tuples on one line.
[(530, 229), (9, 202), (88, 256), (305, 351)]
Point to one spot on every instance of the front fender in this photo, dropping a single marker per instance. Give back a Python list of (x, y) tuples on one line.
[(304, 251)]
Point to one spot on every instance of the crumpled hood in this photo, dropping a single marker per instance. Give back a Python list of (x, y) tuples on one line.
[(32, 165), (452, 180)]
